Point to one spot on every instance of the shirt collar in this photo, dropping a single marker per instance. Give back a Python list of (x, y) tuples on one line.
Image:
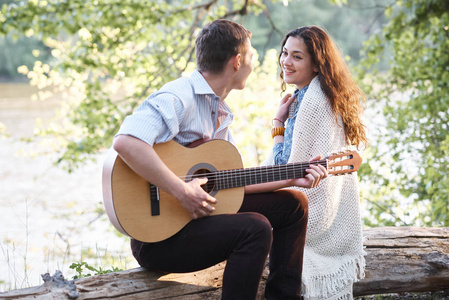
[(300, 92), (294, 106), (200, 85)]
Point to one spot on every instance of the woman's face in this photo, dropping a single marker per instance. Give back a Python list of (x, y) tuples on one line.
[(296, 63)]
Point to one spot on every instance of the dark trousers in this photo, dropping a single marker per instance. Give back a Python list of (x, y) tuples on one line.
[(269, 223)]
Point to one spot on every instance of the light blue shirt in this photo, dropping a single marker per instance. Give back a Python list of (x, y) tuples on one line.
[(184, 110), (281, 151)]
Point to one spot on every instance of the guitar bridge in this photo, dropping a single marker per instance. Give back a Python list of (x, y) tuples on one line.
[(154, 198)]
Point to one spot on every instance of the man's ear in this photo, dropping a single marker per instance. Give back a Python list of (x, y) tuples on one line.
[(236, 62)]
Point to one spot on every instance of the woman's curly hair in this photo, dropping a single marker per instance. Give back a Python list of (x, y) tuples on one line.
[(344, 94)]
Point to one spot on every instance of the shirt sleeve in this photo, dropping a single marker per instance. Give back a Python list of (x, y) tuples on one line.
[(278, 154), (156, 120)]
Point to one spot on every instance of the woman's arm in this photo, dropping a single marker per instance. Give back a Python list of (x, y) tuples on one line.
[(281, 116), (314, 175)]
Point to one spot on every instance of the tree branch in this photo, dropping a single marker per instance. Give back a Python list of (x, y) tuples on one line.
[(242, 12)]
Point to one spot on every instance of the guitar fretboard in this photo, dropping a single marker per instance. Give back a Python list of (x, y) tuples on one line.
[(241, 177)]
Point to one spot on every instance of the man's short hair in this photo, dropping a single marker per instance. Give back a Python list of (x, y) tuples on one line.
[(217, 42)]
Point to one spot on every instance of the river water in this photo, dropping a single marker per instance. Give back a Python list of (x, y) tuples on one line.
[(48, 217)]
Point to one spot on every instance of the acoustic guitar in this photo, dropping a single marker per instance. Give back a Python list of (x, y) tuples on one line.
[(140, 210)]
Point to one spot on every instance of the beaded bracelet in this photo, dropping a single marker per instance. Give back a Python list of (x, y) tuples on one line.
[(277, 131)]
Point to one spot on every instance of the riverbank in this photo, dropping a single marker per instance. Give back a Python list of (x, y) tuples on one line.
[(48, 217)]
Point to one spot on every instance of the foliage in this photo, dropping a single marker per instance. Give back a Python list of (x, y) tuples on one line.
[(408, 163), (268, 29), (255, 106), (349, 24), (108, 56), (23, 51), (82, 267), (18, 51)]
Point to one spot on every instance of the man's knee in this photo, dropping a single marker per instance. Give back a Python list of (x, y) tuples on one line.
[(259, 226), (296, 201)]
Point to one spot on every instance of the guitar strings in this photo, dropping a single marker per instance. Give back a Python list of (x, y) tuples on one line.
[(238, 174)]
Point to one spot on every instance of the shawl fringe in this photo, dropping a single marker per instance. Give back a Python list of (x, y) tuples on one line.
[(337, 285)]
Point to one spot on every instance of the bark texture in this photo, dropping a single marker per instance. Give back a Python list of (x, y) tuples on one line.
[(399, 259)]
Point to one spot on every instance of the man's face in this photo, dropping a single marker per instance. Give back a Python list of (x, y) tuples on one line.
[(246, 66)]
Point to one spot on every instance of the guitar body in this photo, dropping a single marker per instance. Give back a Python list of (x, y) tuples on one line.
[(140, 210), (126, 195)]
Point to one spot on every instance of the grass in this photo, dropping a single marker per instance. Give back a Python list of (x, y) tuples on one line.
[(63, 250)]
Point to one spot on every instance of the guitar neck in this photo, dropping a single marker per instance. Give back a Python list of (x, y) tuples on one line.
[(242, 177)]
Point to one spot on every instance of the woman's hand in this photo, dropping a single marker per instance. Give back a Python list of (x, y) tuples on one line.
[(315, 174), (284, 104)]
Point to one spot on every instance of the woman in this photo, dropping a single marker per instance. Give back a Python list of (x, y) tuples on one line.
[(321, 117)]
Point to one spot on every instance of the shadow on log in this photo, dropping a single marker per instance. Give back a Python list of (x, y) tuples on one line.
[(399, 259)]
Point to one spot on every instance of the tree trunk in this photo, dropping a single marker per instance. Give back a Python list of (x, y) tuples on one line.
[(399, 259)]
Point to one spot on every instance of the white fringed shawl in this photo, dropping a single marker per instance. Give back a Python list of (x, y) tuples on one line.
[(333, 255)]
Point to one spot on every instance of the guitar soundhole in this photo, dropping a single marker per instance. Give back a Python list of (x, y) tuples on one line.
[(210, 184), (204, 170)]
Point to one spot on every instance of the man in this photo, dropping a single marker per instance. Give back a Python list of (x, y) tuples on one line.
[(189, 109)]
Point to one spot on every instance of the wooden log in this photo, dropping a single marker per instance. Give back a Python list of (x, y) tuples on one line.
[(136, 283), (54, 287), (399, 259), (405, 259)]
